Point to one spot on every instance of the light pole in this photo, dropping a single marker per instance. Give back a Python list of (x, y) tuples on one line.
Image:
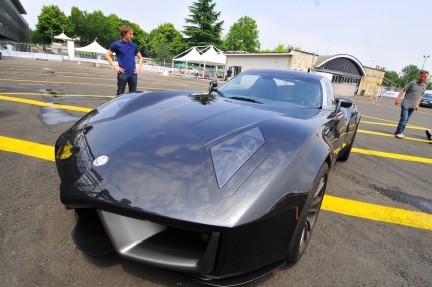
[(372, 63), (425, 57)]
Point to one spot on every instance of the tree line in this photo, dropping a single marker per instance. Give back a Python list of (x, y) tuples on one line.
[(162, 43), (202, 27)]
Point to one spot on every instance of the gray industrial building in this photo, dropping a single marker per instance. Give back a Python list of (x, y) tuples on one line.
[(13, 26)]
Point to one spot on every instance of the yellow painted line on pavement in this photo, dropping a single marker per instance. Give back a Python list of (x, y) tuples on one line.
[(55, 95), (76, 83), (55, 82), (44, 104), (392, 125), (377, 212), (334, 204), (391, 135), (390, 121), (41, 151), (393, 155)]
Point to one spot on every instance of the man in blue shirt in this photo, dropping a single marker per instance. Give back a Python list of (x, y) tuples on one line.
[(126, 50)]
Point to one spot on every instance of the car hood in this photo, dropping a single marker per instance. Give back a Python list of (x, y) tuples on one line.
[(158, 154)]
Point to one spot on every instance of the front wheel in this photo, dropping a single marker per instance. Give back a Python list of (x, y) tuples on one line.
[(346, 153), (308, 217)]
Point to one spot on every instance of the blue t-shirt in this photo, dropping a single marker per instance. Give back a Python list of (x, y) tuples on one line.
[(125, 52)]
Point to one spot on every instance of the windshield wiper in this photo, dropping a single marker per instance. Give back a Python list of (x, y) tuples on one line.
[(219, 92), (246, 99)]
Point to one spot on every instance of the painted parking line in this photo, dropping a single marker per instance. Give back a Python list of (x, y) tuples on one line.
[(391, 135), (397, 156), (27, 148), (377, 212), (55, 82), (331, 203), (45, 104), (54, 95), (392, 125), (381, 120)]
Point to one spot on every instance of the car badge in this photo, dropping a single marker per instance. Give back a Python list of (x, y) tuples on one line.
[(103, 159)]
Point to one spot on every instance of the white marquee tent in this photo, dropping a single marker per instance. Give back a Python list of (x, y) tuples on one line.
[(63, 37), (205, 55), (94, 47)]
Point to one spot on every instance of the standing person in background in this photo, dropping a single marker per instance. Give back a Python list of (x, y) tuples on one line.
[(228, 74), (414, 91), (376, 95), (126, 50)]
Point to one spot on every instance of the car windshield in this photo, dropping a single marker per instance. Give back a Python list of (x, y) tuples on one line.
[(427, 96), (276, 90)]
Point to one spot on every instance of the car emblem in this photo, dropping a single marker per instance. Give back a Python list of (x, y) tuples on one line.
[(103, 159)]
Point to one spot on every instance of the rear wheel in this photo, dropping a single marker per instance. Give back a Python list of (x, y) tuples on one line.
[(308, 217)]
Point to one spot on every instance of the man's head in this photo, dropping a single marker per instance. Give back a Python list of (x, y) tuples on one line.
[(126, 33), (423, 76)]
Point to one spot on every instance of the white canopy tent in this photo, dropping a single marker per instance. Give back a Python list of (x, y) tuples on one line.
[(192, 56), (94, 47), (63, 37), (205, 55), (213, 57)]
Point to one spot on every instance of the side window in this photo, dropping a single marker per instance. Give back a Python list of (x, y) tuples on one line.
[(330, 95)]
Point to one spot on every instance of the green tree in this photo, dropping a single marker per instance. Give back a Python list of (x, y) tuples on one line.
[(35, 37), (409, 73), (97, 26), (281, 49), (393, 79), (165, 42), (204, 28), (78, 20), (51, 22), (243, 36), (141, 38)]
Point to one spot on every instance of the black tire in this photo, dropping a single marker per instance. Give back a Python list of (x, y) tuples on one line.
[(346, 153), (308, 217)]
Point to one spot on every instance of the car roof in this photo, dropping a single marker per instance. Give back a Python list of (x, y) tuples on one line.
[(290, 73)]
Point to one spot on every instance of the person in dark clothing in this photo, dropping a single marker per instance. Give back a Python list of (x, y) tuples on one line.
[(228, 74), (126, 51)]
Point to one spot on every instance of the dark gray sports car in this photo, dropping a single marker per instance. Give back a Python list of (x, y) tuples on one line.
[(215, 184)]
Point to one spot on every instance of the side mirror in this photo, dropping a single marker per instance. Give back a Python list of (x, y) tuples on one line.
[(344, 102), (213, 86), (341, 102)]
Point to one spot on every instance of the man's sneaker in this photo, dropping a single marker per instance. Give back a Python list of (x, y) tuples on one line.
[(428, 134), (400, 136)]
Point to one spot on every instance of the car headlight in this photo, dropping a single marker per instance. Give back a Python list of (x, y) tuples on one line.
[(229, 155), (66, 150)]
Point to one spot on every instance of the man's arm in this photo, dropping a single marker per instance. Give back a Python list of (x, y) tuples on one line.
[(397, 102), (109, 59), (417, 107), (140, 62)]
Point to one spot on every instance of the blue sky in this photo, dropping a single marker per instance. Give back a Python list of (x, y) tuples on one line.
[(390, 34)]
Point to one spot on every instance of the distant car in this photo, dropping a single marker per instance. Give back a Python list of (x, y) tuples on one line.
[(214, 184), (426, 101)]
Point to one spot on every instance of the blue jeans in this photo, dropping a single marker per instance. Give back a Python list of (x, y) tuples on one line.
[(123, 79), (404, 118)]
